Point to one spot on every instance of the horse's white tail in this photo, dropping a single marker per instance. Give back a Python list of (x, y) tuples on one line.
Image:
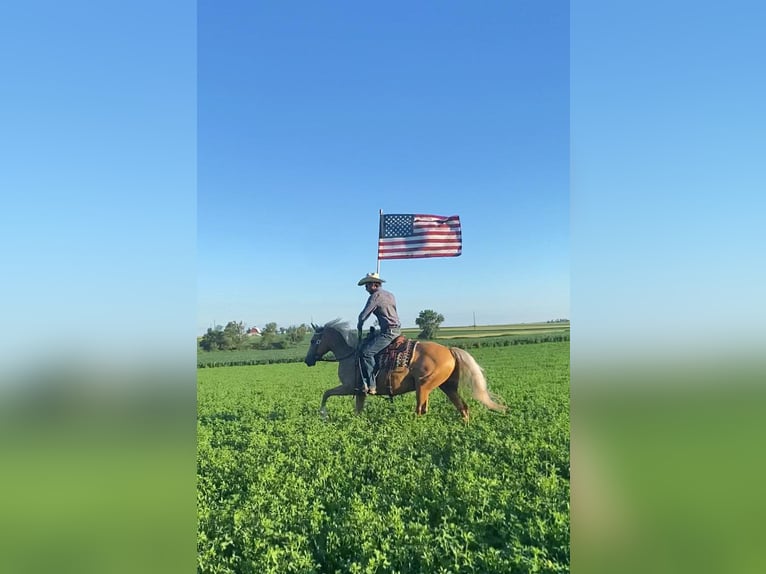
[(472, 376)]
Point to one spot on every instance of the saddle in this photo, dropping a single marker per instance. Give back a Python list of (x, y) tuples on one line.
[(392, 365), (397, 354)]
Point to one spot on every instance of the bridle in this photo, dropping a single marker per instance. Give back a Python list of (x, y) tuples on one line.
[(336, 359)]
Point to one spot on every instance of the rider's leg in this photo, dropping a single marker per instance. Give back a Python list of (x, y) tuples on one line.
[(366, 365), (367, 356)]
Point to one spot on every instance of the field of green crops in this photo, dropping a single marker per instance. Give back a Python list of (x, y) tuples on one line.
[(281, 490), (495, 330)]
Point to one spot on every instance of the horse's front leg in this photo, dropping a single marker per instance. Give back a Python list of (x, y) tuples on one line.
[(335, 391), (360, 397)]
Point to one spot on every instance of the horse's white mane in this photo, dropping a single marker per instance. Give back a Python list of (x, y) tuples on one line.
[(342, 327)]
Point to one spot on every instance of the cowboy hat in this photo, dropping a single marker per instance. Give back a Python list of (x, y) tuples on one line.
[(371, 278)]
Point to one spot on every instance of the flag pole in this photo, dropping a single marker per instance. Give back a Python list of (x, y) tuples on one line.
[(380, 223)]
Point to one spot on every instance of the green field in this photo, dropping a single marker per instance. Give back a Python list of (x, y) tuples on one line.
[(496, 330), (281, 490)]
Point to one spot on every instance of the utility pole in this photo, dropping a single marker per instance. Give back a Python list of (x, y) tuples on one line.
[(474, 319)]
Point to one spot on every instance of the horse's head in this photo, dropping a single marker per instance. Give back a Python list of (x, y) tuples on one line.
[(319, 346)]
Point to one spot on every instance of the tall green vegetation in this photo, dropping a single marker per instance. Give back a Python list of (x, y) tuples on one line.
[(280, 490)]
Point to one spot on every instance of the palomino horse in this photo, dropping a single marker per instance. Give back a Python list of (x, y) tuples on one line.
[(432, 365)]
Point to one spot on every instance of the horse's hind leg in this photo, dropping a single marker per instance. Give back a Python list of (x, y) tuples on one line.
[(421, 400), (421, 407), (427, 380), (359, 403), (450, 389)]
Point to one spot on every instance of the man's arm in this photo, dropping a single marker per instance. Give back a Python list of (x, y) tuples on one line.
[(372, 303)]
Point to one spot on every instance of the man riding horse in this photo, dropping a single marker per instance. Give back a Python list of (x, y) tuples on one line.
[(420, 367), (382, 304)]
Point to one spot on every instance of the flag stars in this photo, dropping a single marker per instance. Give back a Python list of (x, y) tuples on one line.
[(397, 226)]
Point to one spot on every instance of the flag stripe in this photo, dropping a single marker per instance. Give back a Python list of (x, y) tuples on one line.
[(394, 243), (406, 236), (453, 250), (436, 232), (420, 244), (416, 255)]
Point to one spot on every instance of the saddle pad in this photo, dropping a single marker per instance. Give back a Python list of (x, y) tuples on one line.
[(396, 356)]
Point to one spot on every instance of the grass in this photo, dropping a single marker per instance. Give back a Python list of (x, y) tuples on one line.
[(494, 330), (281, 490)]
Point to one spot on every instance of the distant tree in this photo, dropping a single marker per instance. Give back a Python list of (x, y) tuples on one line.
[(429, 322), (296, 334), (270, 329), (256, 343), (213, 340), (233, 334), (268, 336)]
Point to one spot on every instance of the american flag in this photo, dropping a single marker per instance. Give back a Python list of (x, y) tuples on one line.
[(407, 236)]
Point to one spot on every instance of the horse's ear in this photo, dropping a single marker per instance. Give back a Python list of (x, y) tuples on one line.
[(315, 327)]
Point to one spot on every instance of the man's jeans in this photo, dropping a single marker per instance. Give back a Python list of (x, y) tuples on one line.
[(367, 355)]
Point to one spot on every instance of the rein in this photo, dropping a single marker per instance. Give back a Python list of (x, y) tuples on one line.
[(337, 359)]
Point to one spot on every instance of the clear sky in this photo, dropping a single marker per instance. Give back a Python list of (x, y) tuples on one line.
[(98, 151), (168, 165), (315, 116), (667, 187)]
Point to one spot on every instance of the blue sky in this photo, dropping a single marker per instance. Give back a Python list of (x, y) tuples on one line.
[(313, 117), (667, 188), (161, 173), (98, 144)]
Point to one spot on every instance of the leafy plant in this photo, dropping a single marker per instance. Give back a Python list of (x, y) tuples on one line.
[(280, 490)]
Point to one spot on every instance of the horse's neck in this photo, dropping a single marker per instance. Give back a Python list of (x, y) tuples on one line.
[(339, 345)]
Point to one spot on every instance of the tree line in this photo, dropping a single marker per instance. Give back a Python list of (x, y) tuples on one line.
[(234, 337)]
